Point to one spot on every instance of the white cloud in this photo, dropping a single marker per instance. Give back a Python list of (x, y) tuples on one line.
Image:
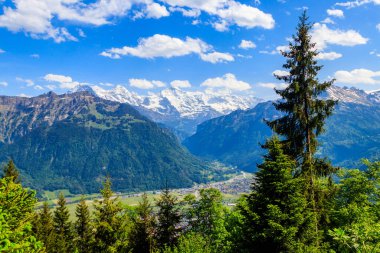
[(324, 36), (278, 50), (329, 56), (35, 17), (378, 27), (328, 21), (358, 76), (228, 81), (335, 13), (28, 82), (272, 85), (167, 47), (38, 87), (227, 13), (187, 12), (216, 57), (2, 51), (155, 10), (280, 73), (24, 95), (178, 84), (145, 84), (4, 84), (58, 78), (65, 82), (39, 18), (247, 44), (357, 3), (245, 16)]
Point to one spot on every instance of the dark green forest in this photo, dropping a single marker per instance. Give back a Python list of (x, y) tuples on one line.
[(298, 201)]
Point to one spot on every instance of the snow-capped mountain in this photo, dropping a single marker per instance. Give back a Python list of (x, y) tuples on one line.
[(353, 95), (180, 110)]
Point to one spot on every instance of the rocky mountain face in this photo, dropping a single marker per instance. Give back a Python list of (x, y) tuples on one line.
[(352, 133), (73, 141), (180, 110)]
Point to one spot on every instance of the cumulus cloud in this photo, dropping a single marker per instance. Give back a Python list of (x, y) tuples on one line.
[(329, 56), (335, 13), (167, 47), (179, 84), (3, 84), (228, 81), (280, 73), (357, 3), (38, 18), (324, 36), (272, 85), (247, 44), (358, 76), (278, 50), (227, 13), (65, 82), (155, 10), (28, 82), (145, 84), (378, 27)]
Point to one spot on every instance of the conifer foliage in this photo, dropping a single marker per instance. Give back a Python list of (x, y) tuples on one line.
[(276, 209), (168, 219), (62, 227), (83, 227), (10, 171)]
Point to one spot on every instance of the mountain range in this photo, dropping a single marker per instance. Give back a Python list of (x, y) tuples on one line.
[(352, 133), (177, 109), (73, 141)]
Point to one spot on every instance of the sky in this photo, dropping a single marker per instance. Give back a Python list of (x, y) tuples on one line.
[(204, 45)]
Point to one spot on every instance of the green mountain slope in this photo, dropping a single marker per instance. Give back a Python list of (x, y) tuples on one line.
[(74, 141), (352, 133)]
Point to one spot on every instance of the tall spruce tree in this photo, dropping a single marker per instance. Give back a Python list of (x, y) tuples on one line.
[(11, 171), (43, 227), (141, 234), (168, 219), (275, 212), (83, 227), (305, 115), (62, 227), (109, 222)]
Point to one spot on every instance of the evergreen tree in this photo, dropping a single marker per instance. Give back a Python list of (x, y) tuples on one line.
[(305, 115), (83, 227), (43, 227), (62, 227), (109, 222), (11, 171), (276, 209), (141, 234), (207, 217), (16, 214), (169, 217)]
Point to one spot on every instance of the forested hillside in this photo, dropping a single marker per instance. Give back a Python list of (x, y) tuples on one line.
[(352, 133), (74, 141)]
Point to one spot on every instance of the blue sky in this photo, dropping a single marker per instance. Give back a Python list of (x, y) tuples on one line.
[(147, 45)]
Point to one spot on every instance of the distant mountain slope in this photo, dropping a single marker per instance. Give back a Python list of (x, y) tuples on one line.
[(352, 133), (180, 110), (74, 140)]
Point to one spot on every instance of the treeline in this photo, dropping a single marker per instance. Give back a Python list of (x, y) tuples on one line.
[(274, 217)]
